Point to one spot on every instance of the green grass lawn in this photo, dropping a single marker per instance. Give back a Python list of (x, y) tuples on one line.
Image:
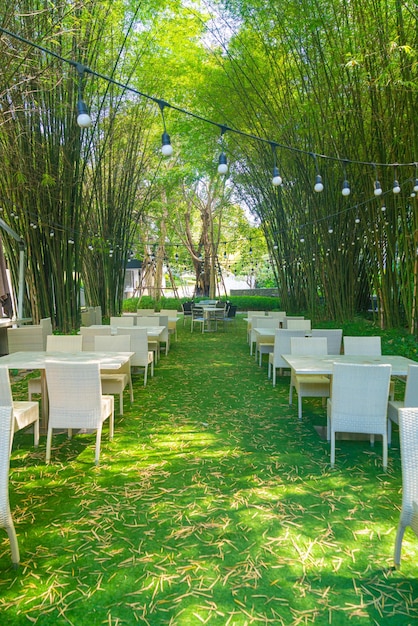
[(212, 505)]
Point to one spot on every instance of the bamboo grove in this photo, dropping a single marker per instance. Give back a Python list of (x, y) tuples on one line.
[(331, 87)]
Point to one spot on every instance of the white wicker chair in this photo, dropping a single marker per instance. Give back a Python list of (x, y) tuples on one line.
[(88, 334), (56, 343), (410, 399), (333, 335), (262, 321), (281, 315), (151, 321), (308, 385), (143, 357), (46, 325), (6, 520), (162, 320), (366, 346), (250, 315), (358, 402), (76, 400), (123, 320), (26, 338), (172, 321), (197, 318), (25, 413), (408, 437), (281, 346), (114, 382), (298, 324)]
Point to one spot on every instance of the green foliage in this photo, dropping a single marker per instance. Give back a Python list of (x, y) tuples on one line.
[(244, 303), (130, 305)]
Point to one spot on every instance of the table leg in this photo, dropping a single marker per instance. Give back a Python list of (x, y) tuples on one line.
[(45, 404)]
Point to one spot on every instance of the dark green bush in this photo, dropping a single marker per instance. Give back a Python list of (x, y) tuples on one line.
[(244, 303)]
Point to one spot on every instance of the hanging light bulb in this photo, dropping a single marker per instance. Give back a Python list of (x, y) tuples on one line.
[(83, 117), (396, 187), (166, 147), (277, 179), (318, 184), (346, 188), (330, 230), (377, 188), (223, 164)]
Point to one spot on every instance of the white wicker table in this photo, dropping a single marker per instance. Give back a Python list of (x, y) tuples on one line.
[(36, 361), (323, 364)]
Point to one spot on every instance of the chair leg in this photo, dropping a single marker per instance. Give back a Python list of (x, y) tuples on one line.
[(145, 375), (121, 402), (274, 375), (398, 544), (385, 451), (332, 449), (36, 433), (14, 546), (48, 445), (98, 440), (299, 406)]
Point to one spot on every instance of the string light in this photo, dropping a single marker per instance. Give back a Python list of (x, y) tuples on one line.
[(377, 186), (396, 187), (346, 187), (223, 163), (318, 187), (83, 117), (84, 121), (166, 147), (318, 184), (277, 179)]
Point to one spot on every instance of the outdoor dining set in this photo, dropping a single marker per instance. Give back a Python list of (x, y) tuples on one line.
[(79, 377), (357, 383), (350, 373), (209, 315), (81, 374)]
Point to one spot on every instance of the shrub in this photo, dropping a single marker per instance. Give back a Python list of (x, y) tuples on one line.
[(244, 303)]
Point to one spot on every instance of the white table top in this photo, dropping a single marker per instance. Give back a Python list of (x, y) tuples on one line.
[(266, 332), (36, 360), (152, 331), (323, 364)]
